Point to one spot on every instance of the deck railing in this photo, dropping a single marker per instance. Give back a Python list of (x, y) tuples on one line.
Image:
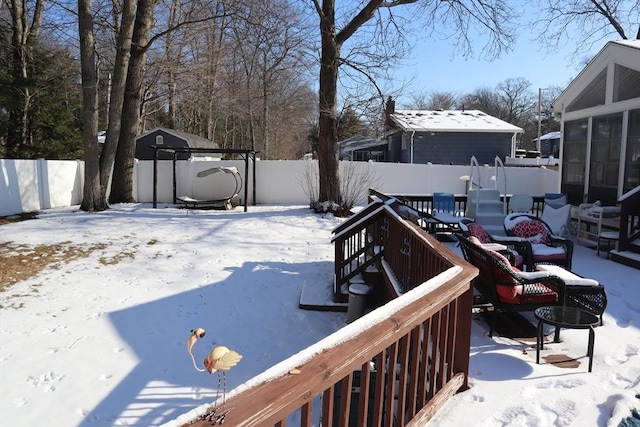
[(396, 365), (424, 202), (629, 220)]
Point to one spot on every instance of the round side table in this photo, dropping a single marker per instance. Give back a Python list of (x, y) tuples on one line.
[(569, 318)]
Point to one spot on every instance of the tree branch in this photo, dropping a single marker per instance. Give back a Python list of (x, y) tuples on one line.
[(364, 15)]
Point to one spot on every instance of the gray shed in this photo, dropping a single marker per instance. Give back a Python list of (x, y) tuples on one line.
[(171, 138), (448, 136)]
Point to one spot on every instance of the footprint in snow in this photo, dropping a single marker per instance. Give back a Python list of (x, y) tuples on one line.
[(626, 380), (20, 402), (541, 388), (474, 398), (561, 412), (85, 413), (45, 378), (621, 356)]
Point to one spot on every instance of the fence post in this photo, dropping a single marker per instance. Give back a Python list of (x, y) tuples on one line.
[(42, 184)]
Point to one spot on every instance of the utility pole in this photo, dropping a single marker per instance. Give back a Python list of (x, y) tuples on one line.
[(538, 142), (538, 145)]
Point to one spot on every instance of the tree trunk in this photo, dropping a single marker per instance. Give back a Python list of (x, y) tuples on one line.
[(116, 96), (122, 185), (23, 38), (329, 188), (91, 194)]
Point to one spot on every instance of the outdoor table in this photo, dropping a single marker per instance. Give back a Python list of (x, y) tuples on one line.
[(569, 318)]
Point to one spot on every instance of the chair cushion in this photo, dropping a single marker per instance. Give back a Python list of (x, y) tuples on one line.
[(513, 295), (569, 278), (557, 218), (542, 250), (501, 273), (478, 231), (533, 231)]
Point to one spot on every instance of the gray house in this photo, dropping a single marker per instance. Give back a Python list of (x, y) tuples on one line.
[(447, 136), (360, 148), (600, 123), (171, 138)]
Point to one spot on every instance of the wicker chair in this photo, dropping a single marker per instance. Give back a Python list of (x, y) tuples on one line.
[(546, 248), (519, 248), (507, 288)]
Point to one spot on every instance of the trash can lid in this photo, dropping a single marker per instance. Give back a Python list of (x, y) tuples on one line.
[(359, 289)]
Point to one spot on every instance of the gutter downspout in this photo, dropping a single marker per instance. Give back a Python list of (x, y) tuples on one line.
[(413, 132)]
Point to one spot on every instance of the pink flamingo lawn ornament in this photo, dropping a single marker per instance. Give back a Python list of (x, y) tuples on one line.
[(220, 359)]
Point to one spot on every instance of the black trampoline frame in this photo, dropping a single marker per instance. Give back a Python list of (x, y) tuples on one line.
[(246, 155)]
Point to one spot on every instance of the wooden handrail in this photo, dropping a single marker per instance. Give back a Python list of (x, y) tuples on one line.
[(409, 355)]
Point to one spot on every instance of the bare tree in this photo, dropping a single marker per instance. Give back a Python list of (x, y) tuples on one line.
[(484, 99), (516, 99), (464, 16), (122, 187), (91, 194), (141, 41), (26, 21), (116, 96), (586, 22), (435, 100)]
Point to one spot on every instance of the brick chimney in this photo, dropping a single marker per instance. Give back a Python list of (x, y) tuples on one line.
[(390, 108)]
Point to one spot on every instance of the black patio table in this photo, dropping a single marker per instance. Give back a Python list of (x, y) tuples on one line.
[(569, 318)]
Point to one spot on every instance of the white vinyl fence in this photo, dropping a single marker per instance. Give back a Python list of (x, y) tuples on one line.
[(34, 185)]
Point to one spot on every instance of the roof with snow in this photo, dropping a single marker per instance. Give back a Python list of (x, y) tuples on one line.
[(451, 121), (550, 135), (360, 142)]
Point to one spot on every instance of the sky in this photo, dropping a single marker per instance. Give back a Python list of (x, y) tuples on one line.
[(101, 340), (435, 65)]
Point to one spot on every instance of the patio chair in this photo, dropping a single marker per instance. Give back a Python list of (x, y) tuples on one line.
[(518, 249), (507, 288), (546, 248), (558, 218), (445, 217), (555, 199)]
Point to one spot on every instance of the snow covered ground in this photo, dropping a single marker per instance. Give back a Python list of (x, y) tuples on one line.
[(101, 340)]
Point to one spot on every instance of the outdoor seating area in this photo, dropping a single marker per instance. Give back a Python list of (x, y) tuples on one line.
[(506, 288)]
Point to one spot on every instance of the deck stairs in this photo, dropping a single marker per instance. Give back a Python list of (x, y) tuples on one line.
[(485, 205), (630, 257), (486, 208)]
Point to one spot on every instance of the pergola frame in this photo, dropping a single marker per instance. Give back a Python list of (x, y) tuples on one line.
[(246, 154)]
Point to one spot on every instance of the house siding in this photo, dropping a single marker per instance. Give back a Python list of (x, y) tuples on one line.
[(457, 148), (394, 154)]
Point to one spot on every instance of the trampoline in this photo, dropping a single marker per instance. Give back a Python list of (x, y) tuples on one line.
[(221, 202), (217, 202)]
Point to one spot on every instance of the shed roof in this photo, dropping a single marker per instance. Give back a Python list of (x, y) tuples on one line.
[(360, 142), (194, 141), (451, 121)]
